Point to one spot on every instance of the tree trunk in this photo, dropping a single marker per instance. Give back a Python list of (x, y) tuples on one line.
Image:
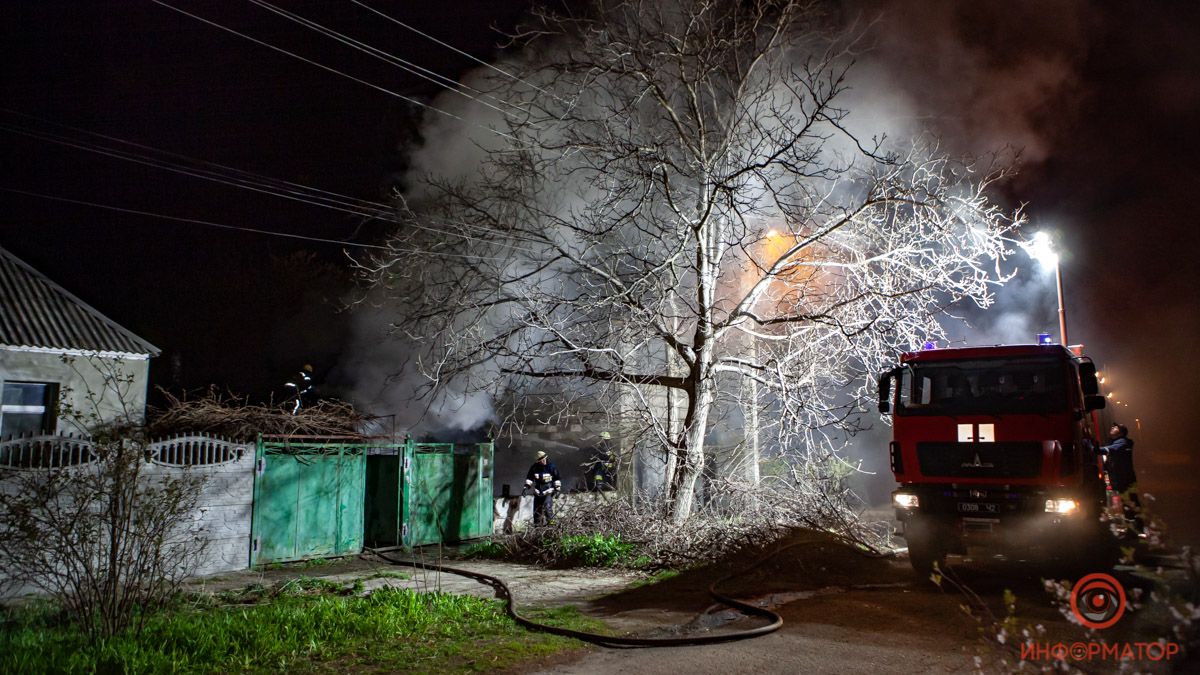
[(691, 463)]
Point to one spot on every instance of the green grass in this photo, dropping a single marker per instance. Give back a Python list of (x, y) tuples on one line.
[(306, 626), (486, 549), (566, 617), (661, 575), (596, 550), (390, 575)]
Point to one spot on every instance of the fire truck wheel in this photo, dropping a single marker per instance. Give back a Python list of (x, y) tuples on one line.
[(926, 547), (1095, 550), (925, 556)]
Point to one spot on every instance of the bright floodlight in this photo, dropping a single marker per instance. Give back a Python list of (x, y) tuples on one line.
[(1040, 249)]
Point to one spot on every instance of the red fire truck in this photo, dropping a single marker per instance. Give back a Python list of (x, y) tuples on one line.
[(995, 448)]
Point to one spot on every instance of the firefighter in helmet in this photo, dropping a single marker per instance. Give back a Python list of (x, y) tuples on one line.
[(543, 480), (301, 387), (599, 472)]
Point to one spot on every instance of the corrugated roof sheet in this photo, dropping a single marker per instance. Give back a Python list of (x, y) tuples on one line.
[(36, 312)]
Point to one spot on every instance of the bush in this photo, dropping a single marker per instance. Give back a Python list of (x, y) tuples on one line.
[(108, 539), (596, 550), (492, 550)]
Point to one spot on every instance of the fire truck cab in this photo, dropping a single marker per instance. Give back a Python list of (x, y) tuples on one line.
[(994, 448)]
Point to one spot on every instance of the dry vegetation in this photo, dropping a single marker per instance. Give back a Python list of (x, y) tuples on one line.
[(736, 516), (233, 417)]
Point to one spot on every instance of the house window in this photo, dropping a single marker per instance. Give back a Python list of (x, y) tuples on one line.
[(27, 408)]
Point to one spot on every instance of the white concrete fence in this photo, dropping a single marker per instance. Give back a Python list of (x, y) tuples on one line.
[(223, 514)]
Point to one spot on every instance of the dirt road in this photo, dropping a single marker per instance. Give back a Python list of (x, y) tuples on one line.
[(845, 613)]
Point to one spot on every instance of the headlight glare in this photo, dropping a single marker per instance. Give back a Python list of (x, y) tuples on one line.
[(1061, 506), (904, 500)]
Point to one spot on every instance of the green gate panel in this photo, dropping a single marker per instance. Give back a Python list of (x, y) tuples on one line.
[(352, 484), (275, 494), (308, 501), (477, 498), (314, 499), (447, 493), (316, 509), (430, 485)]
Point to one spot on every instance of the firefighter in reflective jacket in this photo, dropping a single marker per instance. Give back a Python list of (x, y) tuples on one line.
[(301, 388), (544, 481)]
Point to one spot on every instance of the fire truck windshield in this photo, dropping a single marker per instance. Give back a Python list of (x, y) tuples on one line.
[(983, 387)]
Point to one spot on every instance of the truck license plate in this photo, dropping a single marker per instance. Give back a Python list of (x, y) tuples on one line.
[(976, 507)]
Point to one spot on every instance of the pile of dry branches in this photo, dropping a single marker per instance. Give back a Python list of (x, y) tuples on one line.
[(736, 516), (233, 417)]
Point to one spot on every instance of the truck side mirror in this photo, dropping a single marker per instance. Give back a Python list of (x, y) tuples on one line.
[(1087, 379), (885, 392), (1091, 403)]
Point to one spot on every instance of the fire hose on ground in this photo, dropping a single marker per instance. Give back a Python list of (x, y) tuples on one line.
[(503, 592)]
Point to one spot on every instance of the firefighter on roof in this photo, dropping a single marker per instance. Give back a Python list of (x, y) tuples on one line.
[(544, 481), (301, 387)]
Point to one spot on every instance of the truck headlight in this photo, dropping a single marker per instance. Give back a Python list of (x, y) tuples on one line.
[(904, 500), (1061, 506)]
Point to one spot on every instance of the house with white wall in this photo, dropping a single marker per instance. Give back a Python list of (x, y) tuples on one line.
[(57, 352)]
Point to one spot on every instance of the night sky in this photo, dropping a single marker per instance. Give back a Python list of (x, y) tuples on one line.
[(1104, 97), (238, 309)]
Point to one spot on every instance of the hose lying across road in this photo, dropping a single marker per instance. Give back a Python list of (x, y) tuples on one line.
[(504, 593)]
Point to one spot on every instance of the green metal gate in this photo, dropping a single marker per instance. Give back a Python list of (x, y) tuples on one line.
[(308, 499), (426, 493)]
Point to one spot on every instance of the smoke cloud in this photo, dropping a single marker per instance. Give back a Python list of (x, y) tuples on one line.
[(379, 373), (982, 78)]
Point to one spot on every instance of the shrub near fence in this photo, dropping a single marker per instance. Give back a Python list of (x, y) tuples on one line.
[(223, 513)]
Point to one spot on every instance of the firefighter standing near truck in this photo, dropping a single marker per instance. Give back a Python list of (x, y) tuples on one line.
[(544, 481), (1118, 462)]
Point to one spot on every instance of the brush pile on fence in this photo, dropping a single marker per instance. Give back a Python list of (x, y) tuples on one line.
[(235, 417)]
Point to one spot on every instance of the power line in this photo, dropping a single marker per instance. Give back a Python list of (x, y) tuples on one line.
[(324, 67), (262, 179), (196, 173), (391, 59), (306, 60), (223, 226), (382, 212), (181, 219), (452, 48)]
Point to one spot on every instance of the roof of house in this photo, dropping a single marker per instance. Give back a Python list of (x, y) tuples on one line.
[(39, 314)]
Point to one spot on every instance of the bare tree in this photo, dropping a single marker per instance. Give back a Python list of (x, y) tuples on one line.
[(672, 206)]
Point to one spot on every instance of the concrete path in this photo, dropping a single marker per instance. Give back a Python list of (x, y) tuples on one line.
[(530, 585)]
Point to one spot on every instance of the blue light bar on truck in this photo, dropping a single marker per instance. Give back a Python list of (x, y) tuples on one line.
[(1045, 339)]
